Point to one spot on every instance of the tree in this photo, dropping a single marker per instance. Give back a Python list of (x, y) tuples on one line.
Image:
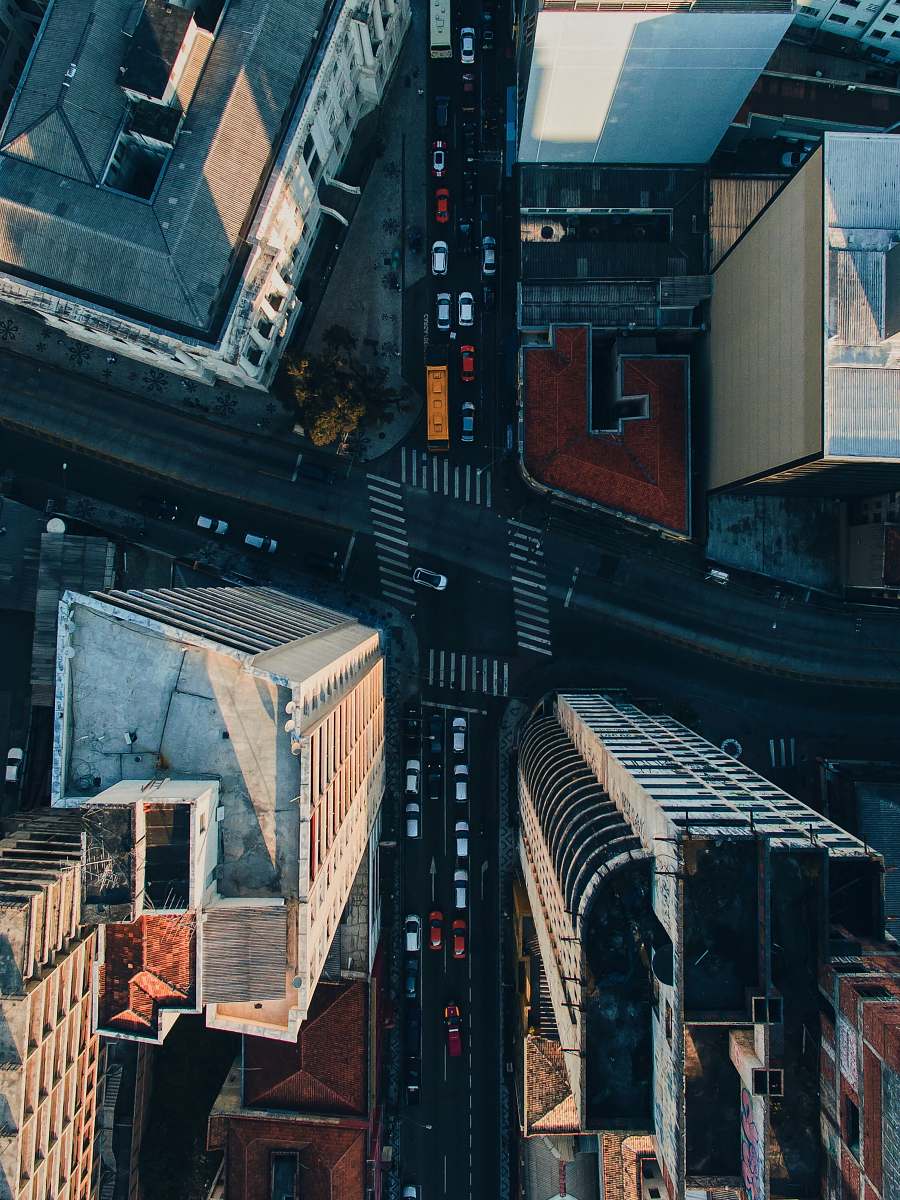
[(332, 392)]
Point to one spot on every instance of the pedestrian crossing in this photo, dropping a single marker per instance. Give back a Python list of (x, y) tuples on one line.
[(434, 473), (529, 580), (468, 672), (388, 516)]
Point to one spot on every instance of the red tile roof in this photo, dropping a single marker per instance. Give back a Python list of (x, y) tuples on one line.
[(148, 964), (622, 1154), (643, 471), (326, 1072), (332, 1160), (549, 1103)]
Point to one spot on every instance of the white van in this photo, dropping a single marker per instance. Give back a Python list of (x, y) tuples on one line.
[(460, 887), (257, 541), (461, 783)]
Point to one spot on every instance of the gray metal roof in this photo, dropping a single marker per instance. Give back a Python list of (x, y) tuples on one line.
[(862, 363), (169, 259)]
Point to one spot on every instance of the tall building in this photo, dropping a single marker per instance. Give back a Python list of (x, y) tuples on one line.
[(682, 907), (628, 82), (164, 169), (872, 27), (804, 341), (225, 749), (50, 1056)]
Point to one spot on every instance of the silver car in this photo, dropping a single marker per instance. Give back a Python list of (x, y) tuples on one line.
[(439, 257), (443, 310), (466, 308), (468, 421), (489, 256), (467, 44)]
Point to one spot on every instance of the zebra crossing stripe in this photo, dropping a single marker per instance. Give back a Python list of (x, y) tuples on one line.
[(532, 583), (400, 541), (379, 505), (381, 479), (523, 525)]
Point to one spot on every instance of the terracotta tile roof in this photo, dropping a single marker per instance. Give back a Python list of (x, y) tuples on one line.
[(622, 1156), (326, 1071), (332, 1160), (549, 1103), (644, 470), (148, 964)]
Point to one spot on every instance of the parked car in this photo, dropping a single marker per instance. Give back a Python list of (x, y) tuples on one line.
[(466, 308), (15, 764), (487, 37), (413, 771), (158, 507), (411, 1192), (438, 159), (213, 525), (429, 579), (461, 783), (468, 421), (442, 205), (412, 928), (467, 364), (469, 188), (462, 839), (458, 929), (435, 930), (413, 1077), (258, 541), (794, 158), (443, 311), (460, 888), (439, 257), (468, 92), (487, 298), (464, 233), (452, 1023), (467, 45), (412, 813), (435, 734), (460, 729), (489, 255), (411, 721), (411, 978), (435, 778), (441, 111)]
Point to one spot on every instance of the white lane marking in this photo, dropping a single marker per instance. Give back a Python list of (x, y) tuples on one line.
[(456, 483), (383, 526), (377, 504), (525, 525), (381, 479), (539, 575), (431, 666), (446, 477), (403, 465), (506, 679), (535, 649), (390, 537), (533, 627), (434, 471), (442, 668), (296, 466), (532, 583), (398, 574), (487, 481)]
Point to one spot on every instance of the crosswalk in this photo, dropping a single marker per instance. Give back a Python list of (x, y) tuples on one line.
[(434, 473), (468, 672), (387, 511), (529, 580)]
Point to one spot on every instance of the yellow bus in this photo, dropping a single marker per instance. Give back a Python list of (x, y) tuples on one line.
[(440, 29), (438, 409)]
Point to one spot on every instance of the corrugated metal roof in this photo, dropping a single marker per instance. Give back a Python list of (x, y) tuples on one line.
[(587, 186), (862, 412), (862, 181), (601, 305), (244, 953), (857, 296)]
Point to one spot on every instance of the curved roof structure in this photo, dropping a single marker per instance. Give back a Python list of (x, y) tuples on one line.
[(585, 834)]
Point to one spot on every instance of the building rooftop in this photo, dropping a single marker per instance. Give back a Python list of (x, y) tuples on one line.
[(550, 1107), (820, 101), (168, 250), (639, 464), (146, 966), (154, 47)]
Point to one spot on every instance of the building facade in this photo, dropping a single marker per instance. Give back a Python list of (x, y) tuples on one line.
[(231, 782), (682, 908), (195, 177), (870, 27), (51, 1060)]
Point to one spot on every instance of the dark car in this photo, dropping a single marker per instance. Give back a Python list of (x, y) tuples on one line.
[(435, 733), (411, 980), (469, 188), (435, 785), (487, 298), (487, 38), (411, 719), (315, 472), (414, 1022), (464, 233), (413, 1078), (468, 92), (158, 507), (441, 111)]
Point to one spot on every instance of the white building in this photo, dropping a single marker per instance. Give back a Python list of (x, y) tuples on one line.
[(616, 83), (162, 169), (874, 24)]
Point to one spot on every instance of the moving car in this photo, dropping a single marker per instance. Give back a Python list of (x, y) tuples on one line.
[(435, 731), (467, 45), (460, 729), (411, 981), (435, 930), (412, 820), (468, 421), (213, 524), (412, 929), (258, 541), (158, 507), (466, 308), (411, 719), (442, 205), (443, 310), (462, 839), (487, 37), (489, 255), (467, 364), (461, 783), (439, 258), (459, 938), (438, 159), (15, 764), (441, 111), (429, 579), (468, 90), (412, 1080), (452, 1022), (413, 770), (460, 888), (435, 779)]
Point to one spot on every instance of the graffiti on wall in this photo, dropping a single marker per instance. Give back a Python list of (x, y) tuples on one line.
[(752, 1153)]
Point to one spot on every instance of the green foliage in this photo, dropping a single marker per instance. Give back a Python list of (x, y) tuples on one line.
[(333, 392)]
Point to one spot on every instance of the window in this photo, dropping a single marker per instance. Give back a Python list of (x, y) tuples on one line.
[(889, 18), (838, 19), (850, 3), (669, 1022), (851, 1127), (877, 33)]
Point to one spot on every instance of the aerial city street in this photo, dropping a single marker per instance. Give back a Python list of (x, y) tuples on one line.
[(450, 595)]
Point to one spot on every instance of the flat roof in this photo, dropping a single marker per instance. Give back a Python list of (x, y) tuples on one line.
[(643, 469)]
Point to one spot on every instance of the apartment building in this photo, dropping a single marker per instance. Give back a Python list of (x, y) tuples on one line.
[(225, 746), (164, 170), (804, 345), (682, 907), (629, 82), (50, 1056), (870, 26)]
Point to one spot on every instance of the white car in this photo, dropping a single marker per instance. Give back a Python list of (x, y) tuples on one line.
[(467, 44), (412, 820), (15, 764), (462, 839), (466, 308), (413, 771), (439, 258), (213, 525), (410, 1192), (443, 311), (257, 541), (459, 735), (412, 933), (429, 579), (460, 888), (461, 783)]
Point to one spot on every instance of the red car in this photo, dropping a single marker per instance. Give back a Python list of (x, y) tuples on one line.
[(435, 930), (439, 159), (459, 938), (452, 1020), (442, 206), (467, 364)]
